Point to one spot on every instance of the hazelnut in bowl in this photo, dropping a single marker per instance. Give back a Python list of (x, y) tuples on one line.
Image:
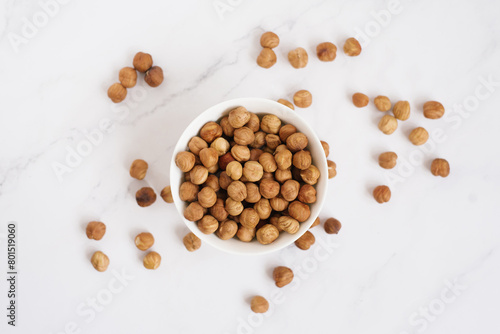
[(249, 176)]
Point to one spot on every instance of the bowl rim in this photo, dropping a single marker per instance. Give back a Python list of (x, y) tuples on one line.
[(224, 108)]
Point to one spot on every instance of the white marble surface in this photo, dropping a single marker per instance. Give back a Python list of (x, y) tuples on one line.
[(386, 272)]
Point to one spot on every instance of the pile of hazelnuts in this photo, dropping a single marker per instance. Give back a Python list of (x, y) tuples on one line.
[(248, 177)]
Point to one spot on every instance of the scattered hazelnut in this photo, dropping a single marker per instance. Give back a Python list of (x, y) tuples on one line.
[(234, 208), (191, 242), (352, 47), (144, 241), (253, 123), (227, 230), (138, 169), (267, 234), (269, 188), (433, 110), (332, 169), (210, 131), (401, 110), (208, 224), (388, 124), (382, 194), (185, 161), (326, 148), (296, 142), (188, 191), (286, 103), (128, 77), (387, 160), (234, 170), (298, 58), (382, 103), (419, 136), (315, 223), (270, 124), (307, 194), (196, 144), (212, 182), (253, 171), (288, 224), (207, 197), (100, 261), (244, 136), (253, 193), (225, 160), (282, 276), (96, 230), (240, 153), (145, 196), (198, 174), (209, 157), (218, 211), (193, 212), (269, 40), (360, 100), (259, 304), (268, 163), (245, 234), (440, 167), (152, 260), (166, 194), (299, 211), (326, 51), (267, 58), (332, 226), (249, 218), (302, 98), (143, 62), (227, 128), (154, 76), (305, 241), (238, 117), (302, 159), (117, 92), (310, 175), (237, 190)]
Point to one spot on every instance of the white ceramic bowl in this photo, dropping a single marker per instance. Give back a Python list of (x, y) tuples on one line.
[(260, 107)]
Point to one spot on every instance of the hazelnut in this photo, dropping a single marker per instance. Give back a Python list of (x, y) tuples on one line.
[(315, 223), (208, 224), (237, 190), (269, 188), (218, 210), (244, 136), (234, 208), (154, 76), (299, 211), (326, 148), (253, 171), (259, 139), (255, 154), (302, 159), (274, 221), (433, 110), (220, 145), (138, 169), (145, 196), (240, 153), (419, 136), (440, 167), (100, 261), (245, 234), (191, 242), (188, 191), (307, 194), (253, 123), (207, 197), (117, 92), (142, 62), (212, 182), (326, 51), (144, 241), (302, 98), (209, 157), (267, 58), (388, 124), (296, 142), (290, 190), (198, 174), (225, 160), (263, 208), (382, 194), (310, 175), (128, 77), (286, 103), (193, 212), (288, 224), (286, 131), (283, 159), (278, 203), (268, 163), (213, 169), (166, 194), (224, 180), (267, 234), (283, 175), (268, 175), (360, 100), (249, 217), (185, 161), (273, 141), (352, 47), (305, 241), (332, 226), (298, 58), (269, 40), (226, 126), (387, 160), (332, 169), (227, 230), (282, 276), (253, 193), (152, 260), (259, 304), (234, 170), (96, 230), (401, 110), (270, 124), (382, 103), (210, 131), (238, 117), (196, 144)]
